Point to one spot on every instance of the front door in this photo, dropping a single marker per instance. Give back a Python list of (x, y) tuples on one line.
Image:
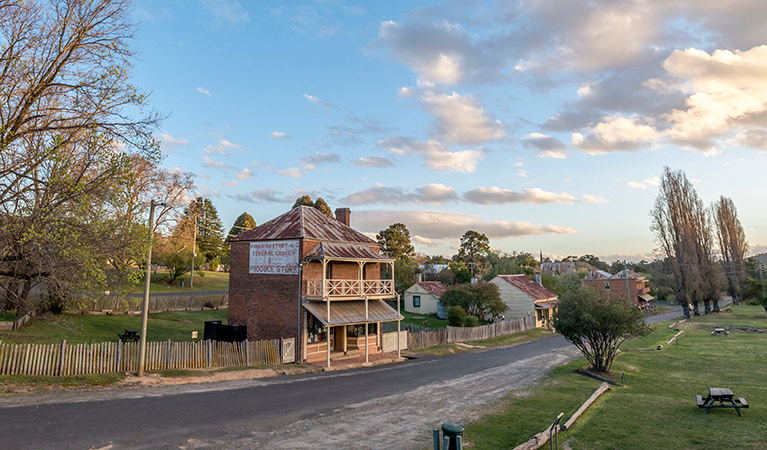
[(340, 338)]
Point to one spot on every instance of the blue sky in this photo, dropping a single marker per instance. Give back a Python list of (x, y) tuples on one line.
[(542, 124)]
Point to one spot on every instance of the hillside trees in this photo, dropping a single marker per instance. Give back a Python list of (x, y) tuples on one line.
[(473, 251), (732, 245), (71, 126)]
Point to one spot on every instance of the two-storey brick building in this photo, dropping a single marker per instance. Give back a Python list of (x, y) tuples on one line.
[(309, 276), (624, 284)]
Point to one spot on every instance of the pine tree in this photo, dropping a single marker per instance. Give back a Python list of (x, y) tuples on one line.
[(243, 223), (323, 206)]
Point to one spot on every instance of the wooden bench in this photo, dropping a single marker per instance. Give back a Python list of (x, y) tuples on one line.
[(742, 401), (699, 400), (129, 336)]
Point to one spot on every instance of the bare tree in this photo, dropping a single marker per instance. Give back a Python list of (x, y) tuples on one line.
[(732, 245)]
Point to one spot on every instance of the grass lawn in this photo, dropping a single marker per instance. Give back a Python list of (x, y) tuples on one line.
[(423, 320), (76, 328), (656, 407), (499, 341), (39, 382), (203, 281)]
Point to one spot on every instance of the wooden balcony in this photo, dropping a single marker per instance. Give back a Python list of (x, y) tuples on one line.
[(348, 289)]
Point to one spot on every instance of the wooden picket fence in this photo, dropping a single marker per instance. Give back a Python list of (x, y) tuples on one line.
[(107, 357), (426, 339), (161, 302), (390, 341), (463, 334)]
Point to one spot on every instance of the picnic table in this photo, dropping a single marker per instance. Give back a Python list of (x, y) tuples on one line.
[(724, 397), (719, 332), (129, 335)]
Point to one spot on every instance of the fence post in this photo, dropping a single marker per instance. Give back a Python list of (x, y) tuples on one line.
[(118, 356), (167, 355), (282, 346), (210, 353), (175, 298), (247, 353), (61, 356)]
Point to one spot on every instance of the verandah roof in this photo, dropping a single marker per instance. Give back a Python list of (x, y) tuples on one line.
[(328, 250), (352, 312)]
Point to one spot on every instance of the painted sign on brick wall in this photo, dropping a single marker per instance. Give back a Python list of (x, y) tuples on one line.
[(274, 257)]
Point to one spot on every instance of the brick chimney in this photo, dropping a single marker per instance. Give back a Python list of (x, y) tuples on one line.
[(343, 215)]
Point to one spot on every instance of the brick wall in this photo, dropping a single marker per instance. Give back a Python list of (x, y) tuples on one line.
[(617, 288), (267, 304)]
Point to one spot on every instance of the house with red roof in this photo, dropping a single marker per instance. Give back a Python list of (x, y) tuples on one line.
[(624, 284), (313, 278), (524, 298), (423, 298)]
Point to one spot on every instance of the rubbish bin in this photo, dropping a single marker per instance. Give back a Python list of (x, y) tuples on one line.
[(451, 431)]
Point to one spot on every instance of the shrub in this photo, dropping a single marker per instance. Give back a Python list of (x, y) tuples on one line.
[(455, 316), (597, 324), (470, 321), (480, 299)]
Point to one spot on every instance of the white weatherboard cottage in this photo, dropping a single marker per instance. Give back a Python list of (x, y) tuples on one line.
[(423, 298)]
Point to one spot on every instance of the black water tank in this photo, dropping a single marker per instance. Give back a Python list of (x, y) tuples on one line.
[(211, 330)]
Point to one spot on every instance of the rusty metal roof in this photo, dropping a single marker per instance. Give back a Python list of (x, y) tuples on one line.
[(352, 311), (305, 222), (546, 304), (528, 286), (330, 250), (435, 288)]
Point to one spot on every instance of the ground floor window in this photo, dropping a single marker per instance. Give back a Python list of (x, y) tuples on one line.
[(416, 301), (359, 330), (315, 332)]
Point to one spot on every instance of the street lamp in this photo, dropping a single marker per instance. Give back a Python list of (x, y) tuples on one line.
[(147, 277)]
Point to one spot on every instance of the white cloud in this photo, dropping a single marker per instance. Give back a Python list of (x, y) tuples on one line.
[(754, 138), (230, 183), (424, 241), (645, 183), (593, 198), (546, 146), (727, 89), (310, 162), (437, 156), (171, 141), (616, 134), (433, 194), (449, 225), (262, 196), (202, 90), (317, 101), (496, 195), (279, 135), (522, 173), (461, 119), (213, 164), (291, 172), (226, 11), (373, 161), (244, 174), (223, 148)]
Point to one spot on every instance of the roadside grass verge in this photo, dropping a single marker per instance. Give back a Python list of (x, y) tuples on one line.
[(656, 406), (425, 320), (16, 383), (440, 349), (210, 281), (77, 328), (516, 338)]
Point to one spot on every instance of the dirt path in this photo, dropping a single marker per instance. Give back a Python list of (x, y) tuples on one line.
[(403, 420)]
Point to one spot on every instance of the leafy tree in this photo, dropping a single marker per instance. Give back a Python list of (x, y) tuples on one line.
[(595, 262), (404, 273), (395, 241), (446, 277), (513, 263), (323, 206), (473, 251), (209, 228), (455, 316), (480, 299), (243, 223), (461, 273), (597, 325), (303, 200), (732, 245), (560, 284), (176, 256)]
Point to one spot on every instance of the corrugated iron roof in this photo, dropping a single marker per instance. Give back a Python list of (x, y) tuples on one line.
[(622, 275), (546, 304), (528, 286), (304, 222), (352, 311), (435, 288), (345, 251)]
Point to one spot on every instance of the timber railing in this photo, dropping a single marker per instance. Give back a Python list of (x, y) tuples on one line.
[(108, 357), (349, 288), (157, 302)]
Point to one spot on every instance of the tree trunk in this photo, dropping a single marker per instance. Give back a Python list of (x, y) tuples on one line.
[(695, 309), (716, 305), (685, 312), (735, 300), (706, 307)]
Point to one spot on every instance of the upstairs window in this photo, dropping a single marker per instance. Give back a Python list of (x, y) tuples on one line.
[(607, 285)]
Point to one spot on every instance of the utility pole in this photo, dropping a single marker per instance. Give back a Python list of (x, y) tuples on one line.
[(147, 277), (626, 272), (194, 254)]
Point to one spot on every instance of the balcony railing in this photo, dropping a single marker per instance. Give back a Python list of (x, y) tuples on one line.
[(350, 288)]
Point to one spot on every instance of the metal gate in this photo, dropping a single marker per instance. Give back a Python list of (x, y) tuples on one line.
[(288, 350)]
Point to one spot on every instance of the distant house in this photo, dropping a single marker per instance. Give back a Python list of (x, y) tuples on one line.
[(423, 298), (524, 297), (635, 286), (558, 267)]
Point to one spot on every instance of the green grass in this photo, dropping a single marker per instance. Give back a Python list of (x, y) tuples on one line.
[(516, 338), (75, 328), (8, 317), (425, 320), (656, 407), (441, 349), (23, 382), (203, 281)]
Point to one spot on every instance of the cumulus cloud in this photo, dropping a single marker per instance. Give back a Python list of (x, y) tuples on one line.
[(171, 141), (433, 194), (449, 225), (310, 162), (546, 146), (461, 119), (279, 135), (645, 183), (262, 196), (726, 89), (496, 195), (437, 155), (593, 198), (373, 161), (291, 172), (230, 183), (424, 241), (352, 132), (223, 148), (213, 164), (244, 174), (229, 11), (317, 101), (754, 138), (616, 134)]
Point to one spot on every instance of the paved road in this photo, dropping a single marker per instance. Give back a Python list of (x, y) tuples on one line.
[(230, 412)]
